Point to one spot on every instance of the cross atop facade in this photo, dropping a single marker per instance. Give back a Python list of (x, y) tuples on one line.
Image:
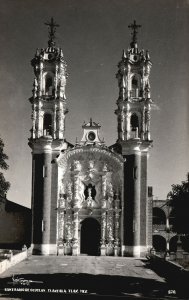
[(134, 32), (52, 29)]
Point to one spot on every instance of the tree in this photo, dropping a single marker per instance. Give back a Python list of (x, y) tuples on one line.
[(4, 185), (178, 199)]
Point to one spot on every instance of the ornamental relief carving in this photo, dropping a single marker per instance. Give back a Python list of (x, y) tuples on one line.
[(90, 185), (90, 181)]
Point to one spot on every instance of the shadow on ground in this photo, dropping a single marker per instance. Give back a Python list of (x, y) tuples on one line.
[(176, 279), (66, 285)]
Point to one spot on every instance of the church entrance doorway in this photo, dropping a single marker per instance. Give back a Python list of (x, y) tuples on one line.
[(90, 237)]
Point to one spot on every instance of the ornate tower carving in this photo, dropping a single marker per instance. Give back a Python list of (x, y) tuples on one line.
[(47, 140), (133, 115), (134, 102), (49, 99)]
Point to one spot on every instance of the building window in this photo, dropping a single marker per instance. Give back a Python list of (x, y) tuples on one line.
[(173, 244), (48, 85), (134, 125), (159, 217), (134, 83), (134, 87), (159, 243), (47, 124)]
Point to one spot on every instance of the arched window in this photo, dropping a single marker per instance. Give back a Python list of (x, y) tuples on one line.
[(134, 122), (134, 83), (48, 85), (159, 217), (134, 126), (172, 218), (47, 124), (173, 244), (135, 86), (159, 243)]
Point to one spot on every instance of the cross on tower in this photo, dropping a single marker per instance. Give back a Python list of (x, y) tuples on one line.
[(134, 27), (52, 29)]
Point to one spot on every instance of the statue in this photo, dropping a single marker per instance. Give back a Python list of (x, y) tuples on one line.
[(76, 165)]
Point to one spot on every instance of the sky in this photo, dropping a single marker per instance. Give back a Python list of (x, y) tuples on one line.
[(92, 34)]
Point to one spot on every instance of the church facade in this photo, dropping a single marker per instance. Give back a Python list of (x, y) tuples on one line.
[(90, 198)]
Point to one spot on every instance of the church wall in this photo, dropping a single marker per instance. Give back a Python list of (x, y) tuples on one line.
[(128, 200), (42, 202), (46, 204), (135, 204), (54, 198), (150, 220), (37, 198), (143, 203), (136, 201)]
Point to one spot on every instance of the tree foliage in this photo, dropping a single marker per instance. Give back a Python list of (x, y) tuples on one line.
[(179, 201), (4, 185)]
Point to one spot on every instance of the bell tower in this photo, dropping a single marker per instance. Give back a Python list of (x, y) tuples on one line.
[(134, 141), (47, 140)]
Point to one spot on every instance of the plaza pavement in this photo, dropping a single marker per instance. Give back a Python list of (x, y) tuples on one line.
[(83, 264), (85, 275)]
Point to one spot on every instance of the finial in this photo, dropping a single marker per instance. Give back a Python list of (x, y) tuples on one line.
[(147, 55), (124, 54), (134, 32), (37, 52), (52, 29), (91, 122)]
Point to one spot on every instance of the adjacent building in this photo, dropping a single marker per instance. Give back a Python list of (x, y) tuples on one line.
[(15, 225)]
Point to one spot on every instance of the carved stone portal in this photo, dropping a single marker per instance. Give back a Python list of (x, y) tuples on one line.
[(91, 188)]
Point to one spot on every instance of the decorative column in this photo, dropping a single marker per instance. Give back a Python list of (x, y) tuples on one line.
[(110, 238), (117, 226), (69, 231), (75, 233), (54, 122), (122, 125), (167, 244), (103, 233), (59, 126), (41, 77), (143, 125), (127, 122), (56, 81), (167, 222), (110, 196), (69, 195), (76, 171), (147, 121), (117, 241), (61, 218), (104, 170), (60, 236), (103, 213), (33, 117)]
